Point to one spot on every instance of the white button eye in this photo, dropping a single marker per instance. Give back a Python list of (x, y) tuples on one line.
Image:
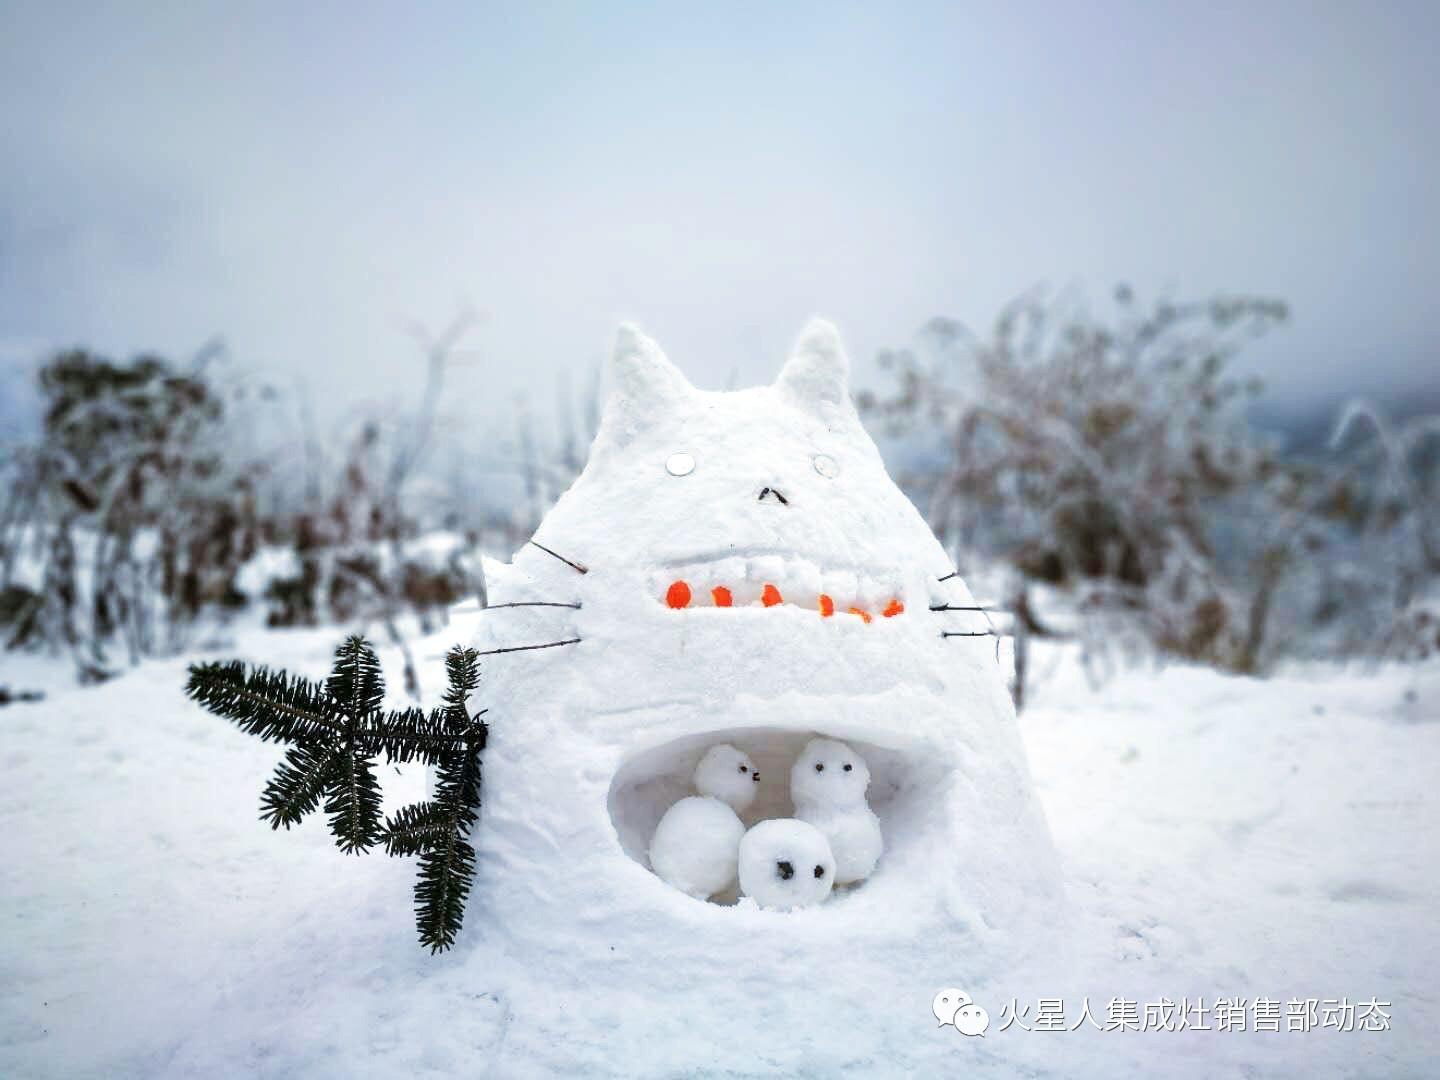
[(680, 464), (827, 466)]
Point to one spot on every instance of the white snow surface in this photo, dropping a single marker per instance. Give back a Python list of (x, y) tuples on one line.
[(1219, 836)]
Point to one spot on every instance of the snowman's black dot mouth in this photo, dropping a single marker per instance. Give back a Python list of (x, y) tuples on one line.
[(819, 871)]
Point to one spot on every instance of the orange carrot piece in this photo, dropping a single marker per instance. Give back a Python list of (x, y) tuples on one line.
[(827, 606), (863, 614), (771, 596), (678, 595), (722, 597), (895, 608)]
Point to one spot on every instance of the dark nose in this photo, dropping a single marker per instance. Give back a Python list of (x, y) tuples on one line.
[(773, 493)]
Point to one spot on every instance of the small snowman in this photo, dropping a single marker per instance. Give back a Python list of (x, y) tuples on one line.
[(696, 845), (827, 786), (786, 864)]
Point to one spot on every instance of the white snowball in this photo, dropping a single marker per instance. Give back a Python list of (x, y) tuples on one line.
[(729, 775), (696, 846), (828, 774), (785, 864)]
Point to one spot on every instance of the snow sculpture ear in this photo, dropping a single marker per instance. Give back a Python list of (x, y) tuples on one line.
[(643, 375), (647, 386), (817, 375)]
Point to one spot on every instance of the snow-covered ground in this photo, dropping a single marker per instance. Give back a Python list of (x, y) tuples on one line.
[(1221, 838)]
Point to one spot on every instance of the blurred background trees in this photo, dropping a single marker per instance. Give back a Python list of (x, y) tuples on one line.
[(1106, 461), (125, 518), (1111, 460), (157, 500)]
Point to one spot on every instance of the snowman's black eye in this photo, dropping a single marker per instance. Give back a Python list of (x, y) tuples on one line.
[(819, 871), (744, 769), (756, 777), (786, 870), (848, 766), (819, 766)]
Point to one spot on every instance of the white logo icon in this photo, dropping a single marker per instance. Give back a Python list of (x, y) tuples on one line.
[(947, 1003), (953, 1006), (972, 1020)]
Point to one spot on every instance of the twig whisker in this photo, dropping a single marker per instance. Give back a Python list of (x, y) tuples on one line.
[(526, 648), (562, 558), (531, 603)]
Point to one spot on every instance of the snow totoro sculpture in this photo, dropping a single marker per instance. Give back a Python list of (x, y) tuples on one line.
[(738, 567)]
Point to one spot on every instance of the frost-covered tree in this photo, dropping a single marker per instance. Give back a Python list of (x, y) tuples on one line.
[(125, 518), (1112, 456), (357, 531), (155, 494), (1106, 454), (1379, 592)]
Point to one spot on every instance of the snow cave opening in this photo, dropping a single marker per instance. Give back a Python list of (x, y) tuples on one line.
[(903, 784)]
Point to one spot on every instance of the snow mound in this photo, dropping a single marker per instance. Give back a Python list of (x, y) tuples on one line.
[(1220, 837)]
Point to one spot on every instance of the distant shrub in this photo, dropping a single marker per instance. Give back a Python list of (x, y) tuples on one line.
[(1111, 456), (142, 507), (125, 519)]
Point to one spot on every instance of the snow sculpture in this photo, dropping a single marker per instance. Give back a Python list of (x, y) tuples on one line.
[(827, 785), (739, 568), (697, 843), (786, 864)]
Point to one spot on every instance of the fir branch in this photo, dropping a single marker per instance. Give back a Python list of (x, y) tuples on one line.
[(441, 889), (337, 729), (272, 705), (439, 830), (295, 789), (446, 871), (353, 803), (275, 705), (414, 735), (416, 828), (356, 681), (462, 667), (457, 784)]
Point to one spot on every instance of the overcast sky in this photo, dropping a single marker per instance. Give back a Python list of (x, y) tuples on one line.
[(302, 179)]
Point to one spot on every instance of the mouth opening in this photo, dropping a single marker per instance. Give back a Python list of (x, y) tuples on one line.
[(771, 581), (902, 792)]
